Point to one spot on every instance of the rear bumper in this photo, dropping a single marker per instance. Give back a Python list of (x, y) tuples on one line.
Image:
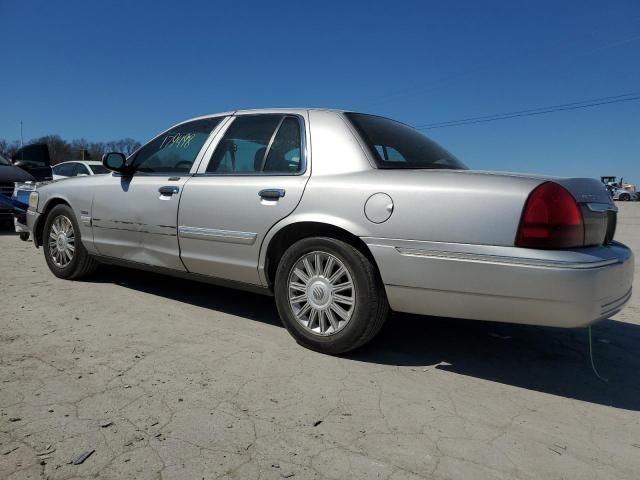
[(505, 284)]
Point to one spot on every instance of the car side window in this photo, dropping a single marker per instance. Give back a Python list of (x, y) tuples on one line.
[(284, 154), (79, 169), (244, 144), (258, 143), (175, 150), (389, 154), (65, 169)]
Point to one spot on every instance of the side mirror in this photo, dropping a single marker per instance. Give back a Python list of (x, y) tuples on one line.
[(116, 162)]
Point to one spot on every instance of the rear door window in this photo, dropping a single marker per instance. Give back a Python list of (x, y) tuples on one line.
[(255, 144), (284, 153)]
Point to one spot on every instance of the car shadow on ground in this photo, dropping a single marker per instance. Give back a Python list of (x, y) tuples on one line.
[(549, 360)]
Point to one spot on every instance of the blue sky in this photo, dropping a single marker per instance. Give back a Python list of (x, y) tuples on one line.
[(105, 70)]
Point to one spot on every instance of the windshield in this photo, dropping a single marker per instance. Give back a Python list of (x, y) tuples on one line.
[(99, 169), (396, 145), (4, 161)]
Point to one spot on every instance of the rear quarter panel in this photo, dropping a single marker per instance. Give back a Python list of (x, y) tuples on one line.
[(430, 205)]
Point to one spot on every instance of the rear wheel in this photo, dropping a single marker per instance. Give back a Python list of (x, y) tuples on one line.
[(329, 295), (62, 243)]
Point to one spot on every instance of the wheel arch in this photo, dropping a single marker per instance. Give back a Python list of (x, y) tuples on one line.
[(53, 202), (292, 232)]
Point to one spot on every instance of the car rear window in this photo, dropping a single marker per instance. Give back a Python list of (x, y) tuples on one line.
[(395, 145)]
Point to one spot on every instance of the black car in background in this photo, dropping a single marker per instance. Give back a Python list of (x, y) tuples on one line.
[(30, 163)]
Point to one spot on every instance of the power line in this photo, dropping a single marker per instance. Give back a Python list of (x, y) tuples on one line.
[(595, 102), (531, 110), (446, 80)]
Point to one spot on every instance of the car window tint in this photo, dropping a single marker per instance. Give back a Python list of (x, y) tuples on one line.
[(396, 145), (64, 169), (243, 147), (389, 154), (80, 169), (284, 153), (175, 150), (99, 169)]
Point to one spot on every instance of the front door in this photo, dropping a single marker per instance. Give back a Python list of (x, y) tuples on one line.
[(135, 217), (254, 177)]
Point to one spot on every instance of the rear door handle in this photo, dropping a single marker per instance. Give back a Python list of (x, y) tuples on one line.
[(168, 190), (272, 193)]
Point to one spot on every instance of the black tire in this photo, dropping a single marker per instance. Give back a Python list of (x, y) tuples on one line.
[(24, 236), (81, 264), (370, 309), (624, 197)]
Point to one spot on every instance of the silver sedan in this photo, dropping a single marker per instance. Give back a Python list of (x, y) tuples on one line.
[(342, 217)]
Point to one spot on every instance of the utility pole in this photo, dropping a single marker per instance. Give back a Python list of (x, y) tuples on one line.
[(21, 137)]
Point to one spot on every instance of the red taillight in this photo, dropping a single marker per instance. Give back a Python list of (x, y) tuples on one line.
[(551, 219)]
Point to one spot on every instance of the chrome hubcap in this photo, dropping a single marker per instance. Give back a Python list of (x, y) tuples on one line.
[(61, 241), (321, 293)]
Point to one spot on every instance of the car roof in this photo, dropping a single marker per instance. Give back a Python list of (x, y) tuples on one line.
[(251, 111), (86, 162)]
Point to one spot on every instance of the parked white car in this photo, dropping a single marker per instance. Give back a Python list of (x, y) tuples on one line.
[(78, 168), (625, 196)]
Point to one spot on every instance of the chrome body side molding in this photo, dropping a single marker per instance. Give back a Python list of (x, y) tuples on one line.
[(226, 236), (480, 257)]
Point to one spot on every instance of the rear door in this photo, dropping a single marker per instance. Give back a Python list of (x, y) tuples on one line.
[(135, 217), (252, 176)]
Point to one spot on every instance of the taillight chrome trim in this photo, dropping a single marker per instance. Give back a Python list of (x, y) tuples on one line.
[(601, 207)]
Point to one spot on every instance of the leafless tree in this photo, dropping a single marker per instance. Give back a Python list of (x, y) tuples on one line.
[(61, 150)]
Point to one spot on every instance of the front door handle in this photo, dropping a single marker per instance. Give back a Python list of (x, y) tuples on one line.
[(168, 190), (272, 193)]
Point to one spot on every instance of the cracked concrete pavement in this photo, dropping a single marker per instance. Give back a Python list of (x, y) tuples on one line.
[(171, 379)]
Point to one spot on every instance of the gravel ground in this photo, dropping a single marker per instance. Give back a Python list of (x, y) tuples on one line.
[(166, 378)]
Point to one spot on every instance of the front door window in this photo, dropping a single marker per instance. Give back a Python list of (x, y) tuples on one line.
[(174, 151)]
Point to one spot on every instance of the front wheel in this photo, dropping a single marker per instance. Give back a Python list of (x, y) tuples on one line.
[(63, 250), (625, 197), (329, 295)]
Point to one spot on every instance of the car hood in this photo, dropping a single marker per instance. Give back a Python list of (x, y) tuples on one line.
[(10, 174)]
